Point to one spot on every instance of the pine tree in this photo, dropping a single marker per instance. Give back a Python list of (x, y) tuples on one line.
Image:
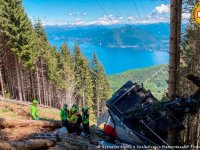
[(39, 29), (19, 32), (19, 38), (101, 87), (83, 82), (66, 70), (190, 65), (31, 68)]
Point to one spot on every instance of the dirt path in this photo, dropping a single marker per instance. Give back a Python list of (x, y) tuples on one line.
[(155, 74)]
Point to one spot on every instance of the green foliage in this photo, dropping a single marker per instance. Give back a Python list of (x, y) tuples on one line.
[(153, 78), (69, 73), (83, 81), (6, 110), (65, 65), (18, 30), (49, 54), (40, 30), (101, 87)]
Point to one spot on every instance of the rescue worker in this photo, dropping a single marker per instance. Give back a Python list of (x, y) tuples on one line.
[(75, 120), (64, 115), (85, 121), (70, 110), (78, 115), (34, 110)]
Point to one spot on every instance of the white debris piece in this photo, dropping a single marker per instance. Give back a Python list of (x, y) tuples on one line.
[(103, 118), (61, 131)]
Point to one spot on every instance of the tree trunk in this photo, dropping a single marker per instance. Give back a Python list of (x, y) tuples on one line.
[(21, 80), (83, 99), (43, 84), (38, 84), (34, 123), (79, 102), (1, 63), (32, 85), (49, 95), (31, 144), (178, 53), (18, 79), (1, 82), (175, 21)]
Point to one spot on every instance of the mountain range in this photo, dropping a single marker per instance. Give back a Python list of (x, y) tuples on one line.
[(139, 37)]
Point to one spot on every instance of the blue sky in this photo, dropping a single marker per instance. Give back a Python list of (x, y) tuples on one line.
[(105, 12)]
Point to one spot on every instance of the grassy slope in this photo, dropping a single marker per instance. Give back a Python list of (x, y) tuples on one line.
[(19, 112), (9, 109), (16, 112), (154, 79)]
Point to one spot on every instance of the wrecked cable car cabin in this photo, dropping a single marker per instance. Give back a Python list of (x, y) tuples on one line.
[(136, 117)]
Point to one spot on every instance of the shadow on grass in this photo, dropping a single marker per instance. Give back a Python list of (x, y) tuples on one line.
[(47, 119)]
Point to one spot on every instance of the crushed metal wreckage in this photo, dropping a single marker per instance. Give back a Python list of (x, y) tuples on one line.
[(136, 117)]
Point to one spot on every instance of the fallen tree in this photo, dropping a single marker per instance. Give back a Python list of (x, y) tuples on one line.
[(31, 144), (37, 123)]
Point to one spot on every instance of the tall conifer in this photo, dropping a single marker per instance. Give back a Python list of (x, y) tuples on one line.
[(101, 87)]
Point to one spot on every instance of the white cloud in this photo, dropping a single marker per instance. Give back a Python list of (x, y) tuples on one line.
[(160, 14), (162, 9), (46, 22), (77, 14), (70, 14), (78, 19), (105, 20), (157, 16), (130, 18), (121, 17), (85, 14), (186, 16)]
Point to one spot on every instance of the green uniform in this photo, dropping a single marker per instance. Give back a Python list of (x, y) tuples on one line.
[(85, 121), (64, 114), (85, 118), (34, 112), (74, 118)]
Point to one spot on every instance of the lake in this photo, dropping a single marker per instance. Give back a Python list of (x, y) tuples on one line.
[(117, 60)]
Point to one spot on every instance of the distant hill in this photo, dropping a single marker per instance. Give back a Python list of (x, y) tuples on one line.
[(154, 78), (140, 37)]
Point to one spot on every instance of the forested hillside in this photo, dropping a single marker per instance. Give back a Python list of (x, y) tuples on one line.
[(30, 68), (154, 78)]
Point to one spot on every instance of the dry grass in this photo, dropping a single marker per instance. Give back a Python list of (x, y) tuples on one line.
[(20, 112)]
